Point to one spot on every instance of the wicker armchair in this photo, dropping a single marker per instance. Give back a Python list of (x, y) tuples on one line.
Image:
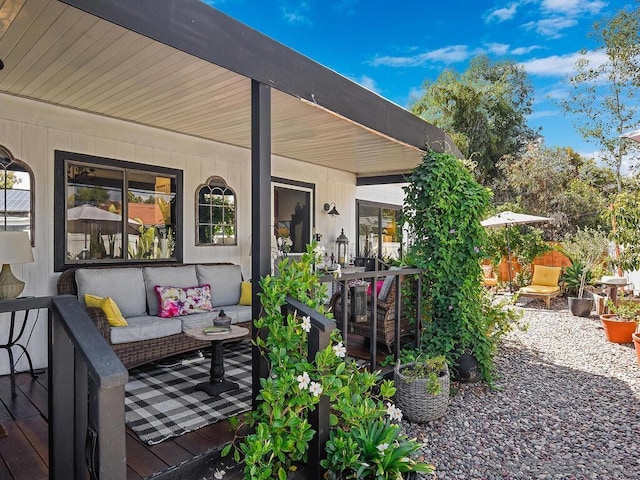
[(386, 321)]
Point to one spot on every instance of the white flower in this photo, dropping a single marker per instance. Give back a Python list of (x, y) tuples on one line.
[(319, 252), (340, 350), (395, 414), (218, 474), (303, 381), (382, 447), (306, 323), (315, 388)]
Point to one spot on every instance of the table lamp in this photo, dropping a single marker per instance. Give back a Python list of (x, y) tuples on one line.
[(15, 247)]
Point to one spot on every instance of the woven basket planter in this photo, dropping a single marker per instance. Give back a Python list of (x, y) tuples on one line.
[(416, 403)]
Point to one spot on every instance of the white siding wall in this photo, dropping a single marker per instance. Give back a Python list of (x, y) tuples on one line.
[(33, 130)]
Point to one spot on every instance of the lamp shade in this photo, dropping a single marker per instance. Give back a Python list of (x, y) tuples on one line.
[(15, 247)]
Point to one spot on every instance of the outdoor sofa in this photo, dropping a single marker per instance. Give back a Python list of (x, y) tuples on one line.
[(147, 336)]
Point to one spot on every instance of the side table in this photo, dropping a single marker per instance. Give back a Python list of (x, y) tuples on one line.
[(13, 342), (217, 384)]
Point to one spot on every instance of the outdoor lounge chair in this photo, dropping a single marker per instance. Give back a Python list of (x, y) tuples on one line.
[(489, 279), (386, 322), (544, 284)]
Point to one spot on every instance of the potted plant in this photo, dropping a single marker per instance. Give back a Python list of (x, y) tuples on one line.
[(636, 341), (620, 325), (422, 388), (586, 249)]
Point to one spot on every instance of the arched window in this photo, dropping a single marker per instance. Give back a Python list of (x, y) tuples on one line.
[(16, 194), (215, 213)]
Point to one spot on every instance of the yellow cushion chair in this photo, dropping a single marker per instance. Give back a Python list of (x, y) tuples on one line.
[(544, 284)]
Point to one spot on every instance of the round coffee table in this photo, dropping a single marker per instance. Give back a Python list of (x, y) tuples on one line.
[(217, 383)]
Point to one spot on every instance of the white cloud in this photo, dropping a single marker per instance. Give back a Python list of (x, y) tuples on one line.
[(295, 12), (562, 65), (544, 114), (502, 14), (498, 48), (446, 55), (573, 7), (551, 27), (524, 50), (368, 83)]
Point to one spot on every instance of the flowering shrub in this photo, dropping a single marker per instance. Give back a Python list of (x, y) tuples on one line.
[(294, 386)]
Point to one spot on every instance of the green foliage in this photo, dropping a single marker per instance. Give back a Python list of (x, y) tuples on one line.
[(416, 367), (484, 110), (625, 309), (586, 248), (572, 278), (90, 195), (145, 248), (525, 244), (294, 385), (603, 100), (443, 208), (626, 216), (556, 182), (374, 450)]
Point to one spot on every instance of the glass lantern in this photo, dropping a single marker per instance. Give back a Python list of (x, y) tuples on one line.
[(342, 247)]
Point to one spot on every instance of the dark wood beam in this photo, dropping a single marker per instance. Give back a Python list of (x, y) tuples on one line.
[(260, 208)]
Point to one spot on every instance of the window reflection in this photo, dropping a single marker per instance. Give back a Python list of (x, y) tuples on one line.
[(379, 232), (216, 213), (116, 213), (16, 194)]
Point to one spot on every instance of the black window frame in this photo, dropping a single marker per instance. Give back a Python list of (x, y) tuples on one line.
[(32, 185), (211, 183), (61, 262), (380, 206)]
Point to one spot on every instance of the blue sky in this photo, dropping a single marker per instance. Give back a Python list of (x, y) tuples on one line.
[(393, 47)]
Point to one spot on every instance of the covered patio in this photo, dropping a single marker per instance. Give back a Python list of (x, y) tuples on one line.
[(185, 86)]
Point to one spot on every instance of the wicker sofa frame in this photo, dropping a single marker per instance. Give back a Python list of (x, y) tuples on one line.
[(386, 324), (133, 354)]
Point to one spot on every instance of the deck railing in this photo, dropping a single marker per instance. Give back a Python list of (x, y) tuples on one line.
[(372, 278), (86, 393), (318, 339)]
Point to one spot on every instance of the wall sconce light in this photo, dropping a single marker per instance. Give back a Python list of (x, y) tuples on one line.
[(330, 208), (15, 247)]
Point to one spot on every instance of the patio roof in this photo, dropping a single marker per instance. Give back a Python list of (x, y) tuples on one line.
[(182, 66)]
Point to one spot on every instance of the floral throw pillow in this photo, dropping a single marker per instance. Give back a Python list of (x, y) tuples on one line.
[(177, 301)]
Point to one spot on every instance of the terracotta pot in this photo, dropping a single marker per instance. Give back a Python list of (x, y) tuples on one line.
[(636, 343), (617, 331)]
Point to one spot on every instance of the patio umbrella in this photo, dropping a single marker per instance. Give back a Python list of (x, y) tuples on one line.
[(81, 217), (506, 219), (634, 135)]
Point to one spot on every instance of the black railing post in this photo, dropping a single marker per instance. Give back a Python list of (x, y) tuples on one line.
[(318, 339), (397, 312), (61, 402)]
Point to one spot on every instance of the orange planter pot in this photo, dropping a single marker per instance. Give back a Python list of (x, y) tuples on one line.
[(617, 331), (636, 343)]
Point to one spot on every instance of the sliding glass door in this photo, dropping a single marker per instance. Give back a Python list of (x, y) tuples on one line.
[(379, 230)]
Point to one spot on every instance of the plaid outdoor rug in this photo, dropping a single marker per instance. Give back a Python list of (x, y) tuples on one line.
[(160, 402)]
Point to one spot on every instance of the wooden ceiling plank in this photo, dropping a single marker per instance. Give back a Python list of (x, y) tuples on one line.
[(9, 10), (21, 37), (61, 49), (118, 78), (104, 71)]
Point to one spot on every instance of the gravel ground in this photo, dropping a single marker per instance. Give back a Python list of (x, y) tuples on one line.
[(567, 407)]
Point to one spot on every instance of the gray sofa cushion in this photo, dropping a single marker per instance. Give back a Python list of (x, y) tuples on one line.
[(145, 327), (124, 285), (184, 276), (225, 282)]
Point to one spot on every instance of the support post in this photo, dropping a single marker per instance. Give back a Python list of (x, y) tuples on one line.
[(260, 210)]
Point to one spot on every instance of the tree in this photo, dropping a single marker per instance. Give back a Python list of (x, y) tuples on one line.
[(484, 110), (602, 101), (558, 183), (8, 180)]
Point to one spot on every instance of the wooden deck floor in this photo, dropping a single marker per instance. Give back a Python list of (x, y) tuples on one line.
[(24, 450)]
